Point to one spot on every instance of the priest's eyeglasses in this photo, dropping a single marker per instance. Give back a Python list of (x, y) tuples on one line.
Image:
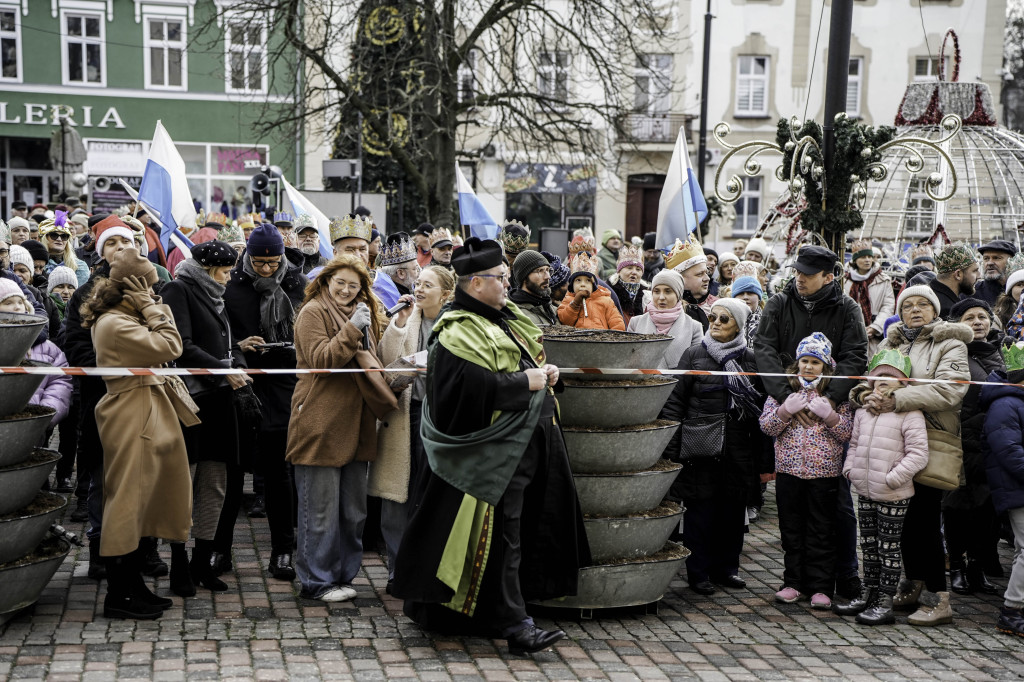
[(503, 277)]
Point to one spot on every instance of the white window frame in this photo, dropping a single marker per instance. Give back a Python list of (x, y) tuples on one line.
[(9, 6), (750, 80), (249, 22), (65, 39), (149, 43), (659, 85), (933, 69), (919, 209), (855, 81), (743, 204), (551, 72), (469, 71)]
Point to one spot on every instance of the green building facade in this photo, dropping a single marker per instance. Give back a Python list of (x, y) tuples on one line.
[(110, 69)]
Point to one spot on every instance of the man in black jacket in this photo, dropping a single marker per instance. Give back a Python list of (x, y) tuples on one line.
[(957, 271), (533, 273), (814, 302)]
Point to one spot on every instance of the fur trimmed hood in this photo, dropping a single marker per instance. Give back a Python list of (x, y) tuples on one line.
[(939, 331)]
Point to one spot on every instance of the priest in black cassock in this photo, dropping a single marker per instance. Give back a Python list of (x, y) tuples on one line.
[(498, 522)]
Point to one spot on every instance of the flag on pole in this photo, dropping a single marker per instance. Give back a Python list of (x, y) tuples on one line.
[(177, 236), (164, 189), (682, 206), (323, 224), (472, 212)]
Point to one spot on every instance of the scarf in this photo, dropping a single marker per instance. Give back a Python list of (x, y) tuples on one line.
[(276, 312), (810, 383), (61, 305), (540, 304), (663, 319), (374, 389), (859, 285), (810, 302), (631, 288), (190, 271), (743, 397), (911, 334)]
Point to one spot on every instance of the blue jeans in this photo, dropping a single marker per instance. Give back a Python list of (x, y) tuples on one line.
[(332, 512), (394, 517)]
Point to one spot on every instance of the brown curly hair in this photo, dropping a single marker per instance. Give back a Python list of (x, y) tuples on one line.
[(365, 295), (105, 294)]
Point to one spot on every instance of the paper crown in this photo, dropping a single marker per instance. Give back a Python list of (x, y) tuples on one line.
[(955, 257), (515, 236), (303, 221), (351, 226), (1014, 356), (684, 255), (890, 358), (218, 219), (583, 262), (921, 251), (861, 248), (629, 255), (282, 218), (439, 235), (401, 251), (249, 220), (582, 244), (746, 268), (135, 224), (232, 234)]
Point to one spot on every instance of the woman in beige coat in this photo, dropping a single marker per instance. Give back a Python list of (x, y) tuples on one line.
[(396, 474), (146, 484), (332, 432)]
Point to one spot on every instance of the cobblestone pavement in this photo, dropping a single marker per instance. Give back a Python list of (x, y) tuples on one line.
[(260, 629)]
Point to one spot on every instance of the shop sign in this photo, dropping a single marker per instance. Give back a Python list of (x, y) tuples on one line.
[(115, 157), (55, 114), (550, 178)]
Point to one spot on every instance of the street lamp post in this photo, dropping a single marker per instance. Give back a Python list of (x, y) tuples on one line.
[(836, 80)]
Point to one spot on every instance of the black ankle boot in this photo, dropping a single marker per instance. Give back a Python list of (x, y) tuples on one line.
[(532, 639), (140, 590), (181, 576), (853, 606), (122, 600), (152, 564), (878, 612), (201, 570), (958, 579), (977, 579), (97, 565)]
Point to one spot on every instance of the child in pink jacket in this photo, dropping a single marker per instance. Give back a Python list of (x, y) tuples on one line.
[(809, 435), (886, 452)]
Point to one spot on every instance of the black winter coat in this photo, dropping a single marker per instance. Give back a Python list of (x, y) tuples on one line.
[(1003, 407), (243, 305), (743, 452), (785, 322), (206, 342), (947, 298), (633, 306)]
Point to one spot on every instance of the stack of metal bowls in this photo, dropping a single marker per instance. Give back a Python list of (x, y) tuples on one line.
[(27, 559)]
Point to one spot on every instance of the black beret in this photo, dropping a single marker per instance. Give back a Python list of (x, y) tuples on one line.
[(476, 255), (965, 304), (214, 253), (999, 245)]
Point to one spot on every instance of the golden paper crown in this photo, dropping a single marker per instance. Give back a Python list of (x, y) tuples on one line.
[(218, 219), (440, 234), (582, 244), (248, 220), (351, 226), (684, 255), (401, 251)]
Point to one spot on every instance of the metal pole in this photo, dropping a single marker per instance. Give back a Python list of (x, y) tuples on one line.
[(702, 148), (359, 180), (836, 78)]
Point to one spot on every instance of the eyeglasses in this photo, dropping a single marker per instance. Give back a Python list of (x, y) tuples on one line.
[(724, 319), (910, 307), (503, 277), (269, 264), (5, 252), (542, 271)]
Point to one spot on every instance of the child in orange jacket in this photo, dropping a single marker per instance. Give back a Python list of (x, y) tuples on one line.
[(588, 305)]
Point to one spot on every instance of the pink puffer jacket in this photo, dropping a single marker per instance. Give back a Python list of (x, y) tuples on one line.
[(55, 391), (886, 452)]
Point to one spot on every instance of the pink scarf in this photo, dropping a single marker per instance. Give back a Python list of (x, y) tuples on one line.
[(663, 319)]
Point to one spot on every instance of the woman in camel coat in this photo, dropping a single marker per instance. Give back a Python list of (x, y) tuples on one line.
[(146, 484)]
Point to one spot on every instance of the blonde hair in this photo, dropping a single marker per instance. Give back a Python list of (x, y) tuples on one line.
[(445, 279), (26, 306), (69, 252)]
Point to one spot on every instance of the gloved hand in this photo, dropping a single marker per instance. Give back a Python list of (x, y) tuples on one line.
[(821, 407), (247, 405), (361, 317), (793, 404), (136, 292)]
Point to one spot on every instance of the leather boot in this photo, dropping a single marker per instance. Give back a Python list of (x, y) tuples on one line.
[(958, 580), (152, 564), (907, 595), (119, 602), (201, 570), (139, 589), (878, 612), (181, 576), (927, 616), (854, 606), (532, 639), (220, 562), (97, 565), (977, 580)]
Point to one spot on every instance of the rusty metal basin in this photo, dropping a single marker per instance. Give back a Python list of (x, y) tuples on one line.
[(18, 536), (596, 452), (23, 584), (619, 494), (19, 483), (629, 353), (19, 436), (612, 406), (17, 389), (17, 332), (629, 537)]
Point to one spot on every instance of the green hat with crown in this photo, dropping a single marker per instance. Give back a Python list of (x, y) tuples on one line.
[(1014, 356), (890, 363)]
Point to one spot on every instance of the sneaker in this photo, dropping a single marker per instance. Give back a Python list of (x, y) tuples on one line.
[(821, 601), (753, 514), (65, 485), (1011, 621), (788, 595), (336, 594)]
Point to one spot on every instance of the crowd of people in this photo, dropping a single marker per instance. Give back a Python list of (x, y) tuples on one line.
[(478, 512)]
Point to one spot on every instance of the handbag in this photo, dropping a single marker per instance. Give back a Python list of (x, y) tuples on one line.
[(702, 437), (944, 470), (184, 406)]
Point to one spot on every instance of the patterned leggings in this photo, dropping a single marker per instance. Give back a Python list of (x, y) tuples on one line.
[(881, 524)]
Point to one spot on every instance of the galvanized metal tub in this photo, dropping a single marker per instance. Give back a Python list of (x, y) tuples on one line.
[(19, 436), (19, 535), (597, 452), (609, 406), (23, 584), (629, 537), (629, 353), (17, 389), (609, 586), (17, 332), (19, 483), (624, 493)]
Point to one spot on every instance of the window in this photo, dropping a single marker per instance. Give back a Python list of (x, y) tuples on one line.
[(10, 45), (84, 54), (468, 79), (926, 69), (653, 84), (164, 47), (752, 86), (748, 207), (920, 209), (553, 75), (853, 86), (246, 42)]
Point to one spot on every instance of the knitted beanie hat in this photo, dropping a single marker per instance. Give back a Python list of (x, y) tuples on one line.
[(609, 234), (745, 285), (37, 250), (965, 304), (526, 262), (19, 255), (918, 290), (9, 288), (818, 346), (736, 308), (61, 274), (672, 279), (265, 241), (559, 272)]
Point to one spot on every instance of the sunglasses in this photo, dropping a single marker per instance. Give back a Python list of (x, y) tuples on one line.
[(55, 234), (724, 319)]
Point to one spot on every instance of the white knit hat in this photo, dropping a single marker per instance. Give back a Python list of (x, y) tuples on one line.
[(1016, 277), (760, 246), (737, 308), (116, 231), (61, 274), (726, 257), (9, 289), (19, 254), (919, 290)]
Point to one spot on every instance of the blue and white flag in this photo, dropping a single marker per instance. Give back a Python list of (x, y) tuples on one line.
[(164, 189), (472, 211), (682, 206), (323, 224)]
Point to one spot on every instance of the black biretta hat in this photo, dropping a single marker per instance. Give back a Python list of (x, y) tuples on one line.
[(476, 255)]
